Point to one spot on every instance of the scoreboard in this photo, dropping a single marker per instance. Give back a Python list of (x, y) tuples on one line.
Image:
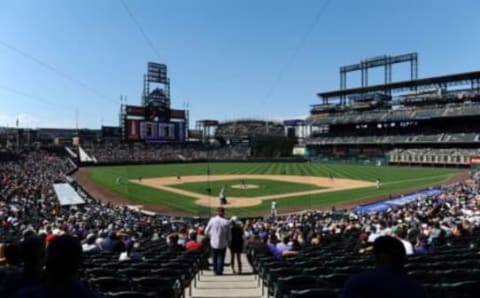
[(139, 130)]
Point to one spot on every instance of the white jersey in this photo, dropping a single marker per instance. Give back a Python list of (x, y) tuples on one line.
[(221, 195)]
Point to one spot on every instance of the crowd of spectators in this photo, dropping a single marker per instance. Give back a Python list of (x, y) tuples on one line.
[(32, 219), (248, 128), (139, 152), (303, 251), (420, 226)]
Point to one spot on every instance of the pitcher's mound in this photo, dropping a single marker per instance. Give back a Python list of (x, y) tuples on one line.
[(245, 186)]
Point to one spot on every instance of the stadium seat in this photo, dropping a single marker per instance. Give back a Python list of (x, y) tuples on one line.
[(274, 274), (284, 285), (315, 293), (99, 272), (130, 294), (335, 280), (464, 289), (109, 284), (161, 285), (133, 272)]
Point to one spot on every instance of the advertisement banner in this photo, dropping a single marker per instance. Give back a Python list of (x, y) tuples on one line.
[(177, 114), (133, 130), (135, 111), (195, 134)]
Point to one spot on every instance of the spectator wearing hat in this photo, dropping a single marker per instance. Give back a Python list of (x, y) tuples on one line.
[(219, 231)]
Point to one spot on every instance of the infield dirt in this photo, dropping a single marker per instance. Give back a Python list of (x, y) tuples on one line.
[(327, 184)]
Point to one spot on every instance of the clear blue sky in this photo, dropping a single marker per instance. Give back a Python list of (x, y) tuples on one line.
[(223, 56)]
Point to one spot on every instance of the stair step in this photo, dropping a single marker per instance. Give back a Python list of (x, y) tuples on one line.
[(228, 285)]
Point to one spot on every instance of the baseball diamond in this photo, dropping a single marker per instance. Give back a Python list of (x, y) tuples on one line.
[(310, 185)]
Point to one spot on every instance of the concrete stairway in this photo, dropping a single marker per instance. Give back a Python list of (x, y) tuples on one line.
[(228, 285)]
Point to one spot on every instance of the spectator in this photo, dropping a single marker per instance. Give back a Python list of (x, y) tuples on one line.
[(275, 251), (182, 237), (388, 279), (192, 244), (89, 245), (64, 257), (112, 243), (172, 243), (284, 245), (130, 254), (236, 245), (400, 234), (219, 231), (421, 246), (32, 251), (12, 268)]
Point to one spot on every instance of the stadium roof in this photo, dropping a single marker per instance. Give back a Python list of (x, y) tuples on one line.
[(425, 83)]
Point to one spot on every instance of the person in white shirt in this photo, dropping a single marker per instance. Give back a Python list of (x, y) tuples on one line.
[(219, 231), (400, 235), (89, 245), (274, 209)]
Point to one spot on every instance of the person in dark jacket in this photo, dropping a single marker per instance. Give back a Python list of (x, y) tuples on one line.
[(236, 245), (63, 262), (32, 254), (388, 279)]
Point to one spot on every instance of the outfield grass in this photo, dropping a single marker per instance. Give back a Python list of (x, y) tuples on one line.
[(394, 179), (265, 187)]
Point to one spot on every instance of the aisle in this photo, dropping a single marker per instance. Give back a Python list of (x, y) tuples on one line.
[(228, 285)]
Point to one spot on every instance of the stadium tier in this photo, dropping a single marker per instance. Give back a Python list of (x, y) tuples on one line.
[(368, 122), (141, 153), (433, 156), (249, 128), (401, 114), (454, 138)]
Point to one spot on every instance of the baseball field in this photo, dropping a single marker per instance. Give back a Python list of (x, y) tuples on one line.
[(249, 187)]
